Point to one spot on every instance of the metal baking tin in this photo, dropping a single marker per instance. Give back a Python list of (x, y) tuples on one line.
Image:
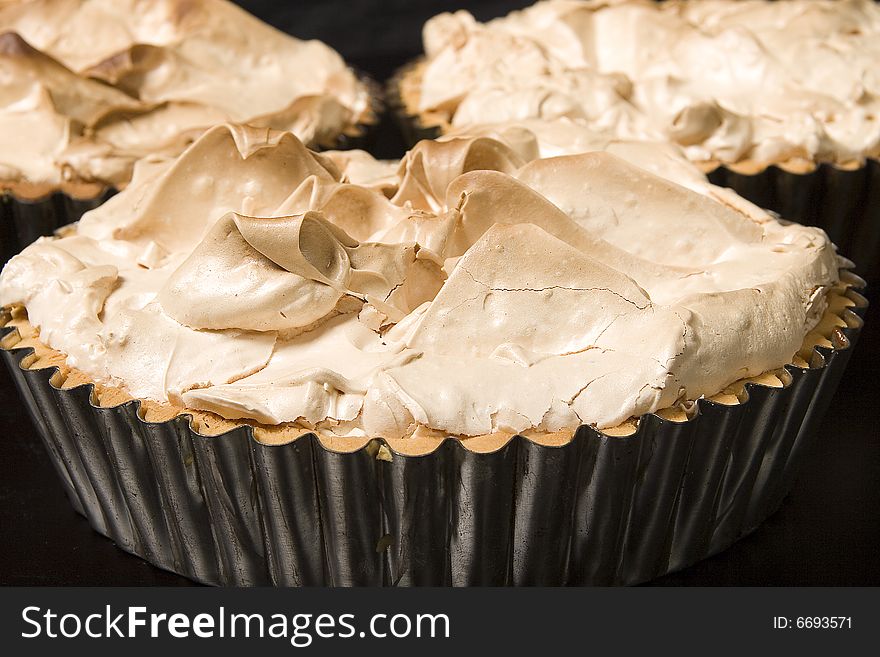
[(229, 510), (22, 221)]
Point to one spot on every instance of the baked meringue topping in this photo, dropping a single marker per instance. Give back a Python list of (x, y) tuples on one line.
[(481, 290), (90, 86), (748, 81)]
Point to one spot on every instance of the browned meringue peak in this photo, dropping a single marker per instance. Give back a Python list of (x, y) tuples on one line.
[(361, 211), (84, 101), (427, 169), (481, 199), (539, 138), (230, 168), (205, 52), (766, 82), (617, 204), (625, 200), (47, 111), (605, 226), (282, 273)]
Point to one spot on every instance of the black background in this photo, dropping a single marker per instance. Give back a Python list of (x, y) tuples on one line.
[(826, 533)]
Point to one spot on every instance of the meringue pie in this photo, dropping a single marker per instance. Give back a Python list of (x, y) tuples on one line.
[(92, 86), (753, 82), (477, 289)]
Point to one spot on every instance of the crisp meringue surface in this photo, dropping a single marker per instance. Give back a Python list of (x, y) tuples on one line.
[(794, 81), (90, 86), (478, 289)]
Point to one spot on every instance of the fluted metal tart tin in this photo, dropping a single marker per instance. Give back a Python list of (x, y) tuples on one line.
[(230, 510)]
